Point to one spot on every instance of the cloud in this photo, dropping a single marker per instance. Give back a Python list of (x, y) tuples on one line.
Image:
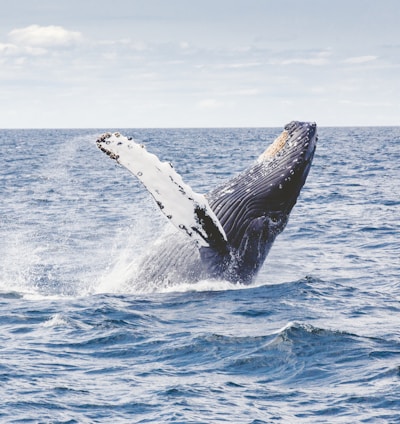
[(237, 65), (124, 43), (315, 59), (360, 59), (8, 49), (36, 36), (245, 92), (371, 104), (184, 45), (209, 104)]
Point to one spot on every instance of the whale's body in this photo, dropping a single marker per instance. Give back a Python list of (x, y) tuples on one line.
[(228, 233)]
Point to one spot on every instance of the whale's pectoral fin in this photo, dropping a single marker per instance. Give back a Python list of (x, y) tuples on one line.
[(187, 210)]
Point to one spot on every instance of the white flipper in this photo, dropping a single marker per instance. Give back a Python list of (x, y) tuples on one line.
[(187, 210)]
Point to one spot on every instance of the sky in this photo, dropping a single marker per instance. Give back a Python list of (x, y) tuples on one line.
[(192, 63)]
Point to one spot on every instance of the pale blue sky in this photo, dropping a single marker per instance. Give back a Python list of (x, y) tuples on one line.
[(208, 63)]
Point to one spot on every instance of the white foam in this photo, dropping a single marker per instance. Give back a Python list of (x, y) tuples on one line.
[(202, 286), (56, 320)]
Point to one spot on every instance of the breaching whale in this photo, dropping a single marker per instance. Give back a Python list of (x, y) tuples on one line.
[(227, 233)]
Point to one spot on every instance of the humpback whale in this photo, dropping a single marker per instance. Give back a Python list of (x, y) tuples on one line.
[(227, 233)]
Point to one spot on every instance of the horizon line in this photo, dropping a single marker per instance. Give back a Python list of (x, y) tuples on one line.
[(192, 128)]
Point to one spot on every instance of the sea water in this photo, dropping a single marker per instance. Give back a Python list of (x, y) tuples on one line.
[(315, 338)]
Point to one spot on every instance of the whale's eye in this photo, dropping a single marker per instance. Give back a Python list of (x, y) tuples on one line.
[(274, 218)]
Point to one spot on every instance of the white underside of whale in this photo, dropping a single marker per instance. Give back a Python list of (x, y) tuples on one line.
[(184, 207)]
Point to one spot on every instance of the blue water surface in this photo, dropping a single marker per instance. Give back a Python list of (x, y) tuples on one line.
[(315, 339)]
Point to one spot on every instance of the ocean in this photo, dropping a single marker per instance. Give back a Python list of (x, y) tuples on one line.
[(315, 338)]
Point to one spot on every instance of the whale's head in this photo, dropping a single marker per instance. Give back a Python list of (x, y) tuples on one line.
[(254, 207), (286, 164)]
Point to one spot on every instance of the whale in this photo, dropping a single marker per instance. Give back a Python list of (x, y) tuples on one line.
[(227, 233)]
